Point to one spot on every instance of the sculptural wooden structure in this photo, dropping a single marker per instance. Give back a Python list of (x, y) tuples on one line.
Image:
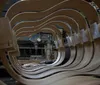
[(78, 18)]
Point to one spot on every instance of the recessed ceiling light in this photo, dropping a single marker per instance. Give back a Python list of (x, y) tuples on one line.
[(22, 0)]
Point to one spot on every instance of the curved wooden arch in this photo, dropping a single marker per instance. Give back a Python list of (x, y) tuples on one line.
[(89, 48), (53, 22), (28, 6), (56, 69), (66, 19), (52, 78), (87, 66), (72, 55), (51, 28), (74, 4), (70, 13), (30, 16), (54, 64), (63, 24)]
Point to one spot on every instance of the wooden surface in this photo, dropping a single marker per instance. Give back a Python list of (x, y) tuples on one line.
[(97, 2), (2, 83)]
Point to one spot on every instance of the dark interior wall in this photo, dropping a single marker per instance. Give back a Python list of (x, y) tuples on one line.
[(4, 5)]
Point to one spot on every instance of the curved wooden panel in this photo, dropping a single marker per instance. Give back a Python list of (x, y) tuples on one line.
[(80, 26), (28, 16), (74, 4)]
